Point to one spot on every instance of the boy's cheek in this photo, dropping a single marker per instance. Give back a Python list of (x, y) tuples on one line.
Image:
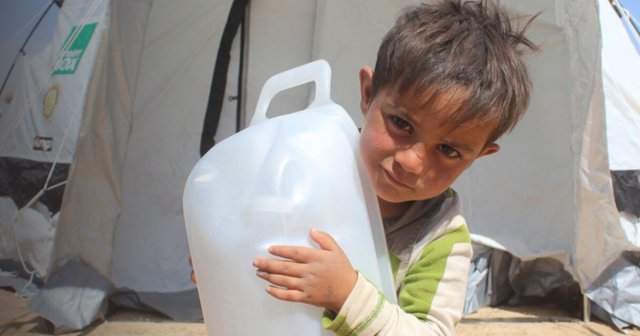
[(365, 148), (375, 145)]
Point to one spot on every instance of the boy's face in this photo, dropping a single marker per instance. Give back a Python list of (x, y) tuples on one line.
[(412, 151)]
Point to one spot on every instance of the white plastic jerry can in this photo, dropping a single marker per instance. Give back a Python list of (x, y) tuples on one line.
[(269, 185)]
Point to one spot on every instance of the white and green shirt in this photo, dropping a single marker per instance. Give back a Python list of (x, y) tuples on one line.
[(430, 251)]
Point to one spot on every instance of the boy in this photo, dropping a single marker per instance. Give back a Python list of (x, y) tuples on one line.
[(448, 82)]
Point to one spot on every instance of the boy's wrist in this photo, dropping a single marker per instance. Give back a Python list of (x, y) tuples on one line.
[(343, 293)]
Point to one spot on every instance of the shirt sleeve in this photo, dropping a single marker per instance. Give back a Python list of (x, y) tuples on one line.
[(430, 301)]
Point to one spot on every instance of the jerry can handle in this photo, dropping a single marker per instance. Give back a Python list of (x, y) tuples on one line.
[(317, 71)]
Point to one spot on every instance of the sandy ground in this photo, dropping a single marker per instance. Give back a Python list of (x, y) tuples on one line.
[(545, 320)]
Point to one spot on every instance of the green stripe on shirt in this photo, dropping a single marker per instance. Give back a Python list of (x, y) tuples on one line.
[(421, 283), (395, 263)]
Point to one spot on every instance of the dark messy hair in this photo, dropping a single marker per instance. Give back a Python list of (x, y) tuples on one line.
[(470, 47)]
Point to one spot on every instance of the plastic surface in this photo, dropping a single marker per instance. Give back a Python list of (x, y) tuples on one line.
[(270, 184)]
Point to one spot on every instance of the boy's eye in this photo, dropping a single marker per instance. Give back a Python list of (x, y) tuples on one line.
[(449, 151), (401, 123)]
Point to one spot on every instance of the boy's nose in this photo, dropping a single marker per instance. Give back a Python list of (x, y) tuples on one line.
[(412, 158)]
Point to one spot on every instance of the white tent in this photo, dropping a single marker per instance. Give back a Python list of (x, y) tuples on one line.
[(547, 195)]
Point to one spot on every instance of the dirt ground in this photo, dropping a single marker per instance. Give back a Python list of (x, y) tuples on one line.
[(16, 319)]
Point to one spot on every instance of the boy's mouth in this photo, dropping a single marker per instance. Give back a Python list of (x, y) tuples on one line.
[(394, 180)]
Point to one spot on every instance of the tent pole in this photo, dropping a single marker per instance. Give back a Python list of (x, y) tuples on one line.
[(21, 50), (586, 309), (627, 19), (240, 103)]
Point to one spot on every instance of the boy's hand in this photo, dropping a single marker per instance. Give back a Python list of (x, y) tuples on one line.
[(322, 277)]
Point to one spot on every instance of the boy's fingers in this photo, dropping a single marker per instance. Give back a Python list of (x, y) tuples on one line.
[(296, 253), (324, 240), (275, 266), (285, 294), (282, 281)]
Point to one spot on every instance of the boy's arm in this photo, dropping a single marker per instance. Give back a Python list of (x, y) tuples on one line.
[(430, 302)]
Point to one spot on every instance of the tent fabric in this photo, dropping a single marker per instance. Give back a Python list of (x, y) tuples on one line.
[(488, 283), (138, 140), (136, 172), (620, 282), (75, 297), (546, 201), (38, 130), (42, 121)]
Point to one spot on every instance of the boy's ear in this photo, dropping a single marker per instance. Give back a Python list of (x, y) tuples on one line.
[(366, 79), (490, 149)]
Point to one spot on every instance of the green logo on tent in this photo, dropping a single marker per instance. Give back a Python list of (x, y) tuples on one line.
[(73, 48)]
